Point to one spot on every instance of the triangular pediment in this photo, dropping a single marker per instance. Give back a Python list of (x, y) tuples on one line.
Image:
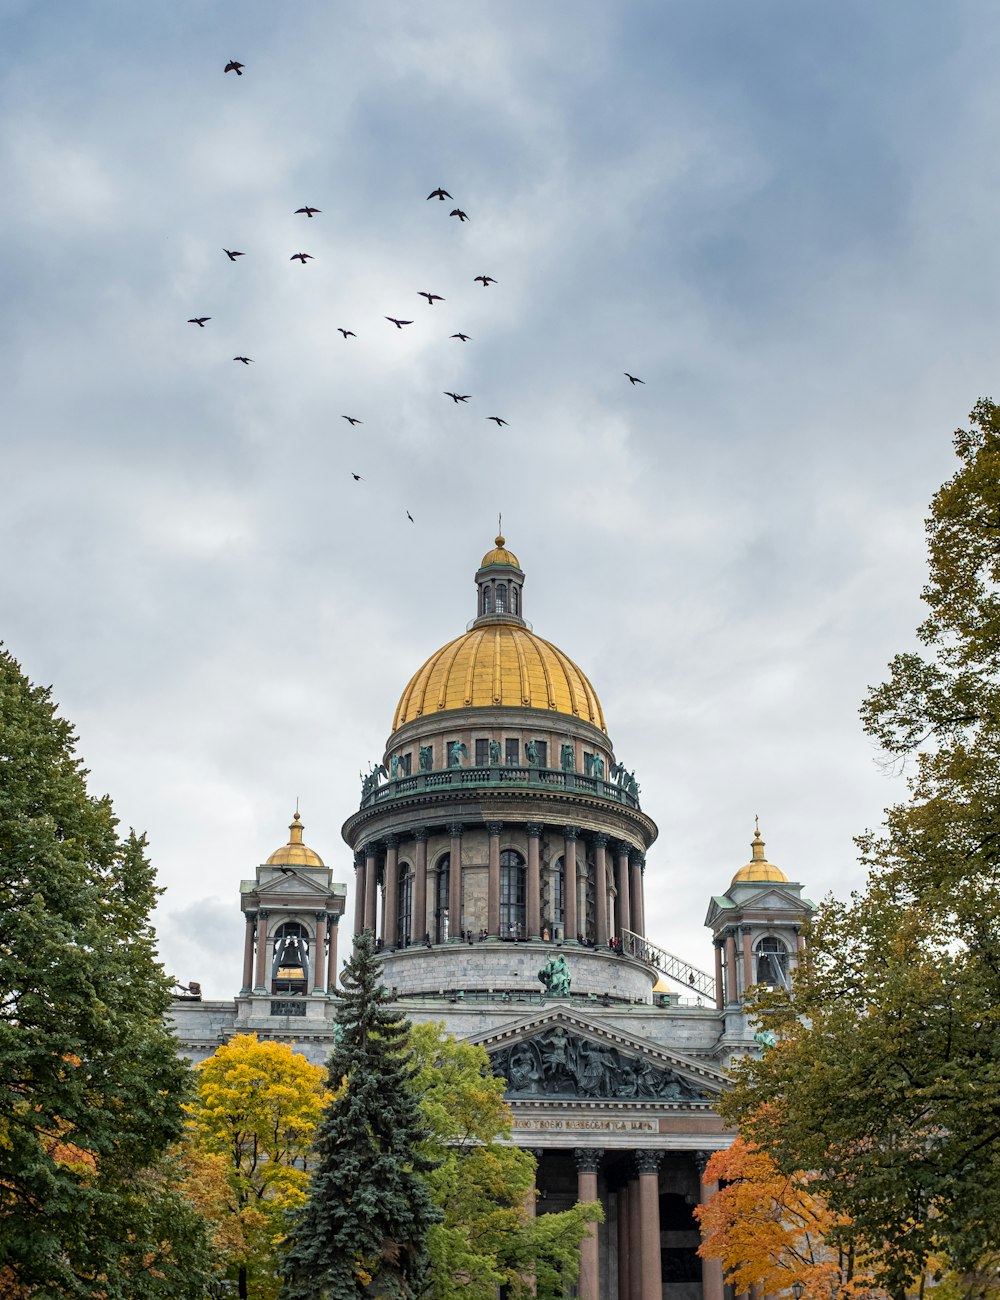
[(778, 899), (285, 887), (560, 1053)]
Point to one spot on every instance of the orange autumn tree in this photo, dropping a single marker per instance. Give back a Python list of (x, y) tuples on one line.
[(769, 1230)]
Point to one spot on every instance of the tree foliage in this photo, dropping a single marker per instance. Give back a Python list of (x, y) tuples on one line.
[(887, 1078), (90, 1083), (364, 1228), (250, 1129), (486, 1237)]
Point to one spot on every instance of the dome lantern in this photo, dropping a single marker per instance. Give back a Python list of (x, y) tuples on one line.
[(295, 853), (758, 868), (499, 586)]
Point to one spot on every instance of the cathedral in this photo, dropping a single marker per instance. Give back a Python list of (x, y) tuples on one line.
[(500, 858)]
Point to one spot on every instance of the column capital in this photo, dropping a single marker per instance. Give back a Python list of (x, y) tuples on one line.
[(251, 918), (588, 1159), (537, 1152), (333, 918), (636, 857), (533, 830), (263, 914), (571, 832), (494, 828), (371, 849), (421, 834), (359, 861), (701, 1159), (622, 848), (455, 830), (746, 929), (647, 1162), (391, 841), (320, 915), (719, 941), (600, 839)]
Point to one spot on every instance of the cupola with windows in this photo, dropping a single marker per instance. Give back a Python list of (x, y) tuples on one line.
[(500, 584)]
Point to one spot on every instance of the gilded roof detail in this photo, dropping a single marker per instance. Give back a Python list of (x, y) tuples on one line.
[(501, 664), (295, 853)]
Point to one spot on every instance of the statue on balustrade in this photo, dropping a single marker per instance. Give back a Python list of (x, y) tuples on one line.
[(456, 752), (425, 758), (531, 753), (370, 783), (494, 753), (567, 758), (555, 976)]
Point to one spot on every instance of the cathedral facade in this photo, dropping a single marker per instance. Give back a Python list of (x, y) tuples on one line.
[(500, 857)]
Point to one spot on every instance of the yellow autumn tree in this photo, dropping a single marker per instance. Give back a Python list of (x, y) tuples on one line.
[(246, 1152), (771, 1231)]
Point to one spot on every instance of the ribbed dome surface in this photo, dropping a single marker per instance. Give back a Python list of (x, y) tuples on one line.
[(295, 853), (500, 555), (758, 868), (500, 664)]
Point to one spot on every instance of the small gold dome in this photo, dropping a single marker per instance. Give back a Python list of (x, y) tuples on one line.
[(295, 853), (500, 554), (758, 868), (499, 665)]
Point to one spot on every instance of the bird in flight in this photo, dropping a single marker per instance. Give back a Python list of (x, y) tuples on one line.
[(457, 212), (439, 194), (233, 66), (301, 257), (399, 323), (199, 320), (464, 337), (309, 212), (348, 334), (352, 420), (458, 397), (497, 419), (432, 298), (633, 379), (485, 280), (246, 360), (357, 477), (232, 254), (410, 517)]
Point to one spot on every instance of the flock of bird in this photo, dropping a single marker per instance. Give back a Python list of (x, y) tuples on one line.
[(431, 298)]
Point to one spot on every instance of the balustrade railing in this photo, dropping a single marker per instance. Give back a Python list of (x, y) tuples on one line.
[(545, 778)]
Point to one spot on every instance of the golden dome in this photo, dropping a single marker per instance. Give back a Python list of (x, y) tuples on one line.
[(758, 868), (499, 665), (500, 554), (295, 853)]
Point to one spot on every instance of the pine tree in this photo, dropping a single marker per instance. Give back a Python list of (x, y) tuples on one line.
[(90, 1083), (364, 1228)]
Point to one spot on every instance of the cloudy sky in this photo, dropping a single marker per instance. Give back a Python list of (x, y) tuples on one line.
[(781, 215)]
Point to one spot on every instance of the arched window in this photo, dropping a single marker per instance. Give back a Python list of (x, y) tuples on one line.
[(501, 599), (772, 961), (513, 600), (290, 967), (512, 873), (404, 906), (486, 600), (441, 899), (559, 897), (588, 921)]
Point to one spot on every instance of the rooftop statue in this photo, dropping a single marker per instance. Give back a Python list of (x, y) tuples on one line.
[(555, 976)]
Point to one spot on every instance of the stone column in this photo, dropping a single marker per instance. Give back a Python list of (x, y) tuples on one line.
[(359, 893), (493, 879), (748, 978), (331, 961), (259, 985), (648, 1164), (455, 922), (623, 1243), (420, 887), (720, 996), (634, 1241), (712, 1280), (601, 876), (248, 952), (390, 898), (624, 908), (732, 993), (587, 1161), (319, 956), (570, 923), (371, 886), (636, 864), (533, 883)]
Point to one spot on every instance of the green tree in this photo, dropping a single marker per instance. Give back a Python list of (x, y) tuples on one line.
[(250, 1128), (90, 1083), (481, 1184), (887, 1078), (364, 1228)]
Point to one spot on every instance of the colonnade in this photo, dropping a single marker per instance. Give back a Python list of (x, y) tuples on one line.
[(617, 868), (323, 973), (734, 961)]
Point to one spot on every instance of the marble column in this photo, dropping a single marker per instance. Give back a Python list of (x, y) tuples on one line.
[(623, 1242), (420, 926), (634, 1242), (720, 995), (624, 907), (533, 883), (588, 1160), (331, 960), (390, 927), (570, 923), (259, 985), (732, 993), (648, 1164), (745, 932), (371, 886), (455, 923), (601, 878), (248, 952), (635, 893), (359, 893), (493, 879), (712, 1281), (319, 956)]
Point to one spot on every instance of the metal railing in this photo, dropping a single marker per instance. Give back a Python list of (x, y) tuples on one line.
[(674, 968), (537, 778)]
